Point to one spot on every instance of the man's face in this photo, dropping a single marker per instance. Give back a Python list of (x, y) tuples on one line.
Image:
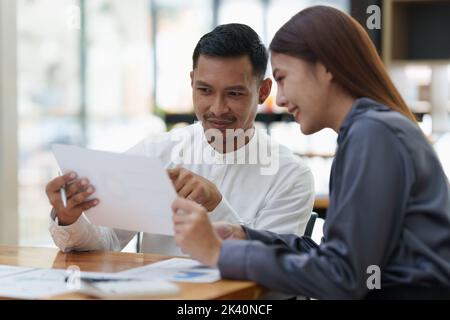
[(226, 93)]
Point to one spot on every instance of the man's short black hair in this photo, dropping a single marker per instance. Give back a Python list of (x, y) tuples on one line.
[(233, 40)]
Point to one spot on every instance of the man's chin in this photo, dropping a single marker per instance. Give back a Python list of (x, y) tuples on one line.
[(221, 128)]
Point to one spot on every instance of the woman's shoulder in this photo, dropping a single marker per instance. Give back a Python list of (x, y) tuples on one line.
[(377, 118), (389, 130)]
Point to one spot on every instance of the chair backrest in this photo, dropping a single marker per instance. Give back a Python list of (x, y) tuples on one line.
[(314, 228), (310, 225), (317, 232)]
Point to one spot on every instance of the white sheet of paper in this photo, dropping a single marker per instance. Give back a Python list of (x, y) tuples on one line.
[(6, 270), (177, 270), (135, 192), (36, 283)]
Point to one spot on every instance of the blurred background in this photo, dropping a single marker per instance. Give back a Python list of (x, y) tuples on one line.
[(106, 73)]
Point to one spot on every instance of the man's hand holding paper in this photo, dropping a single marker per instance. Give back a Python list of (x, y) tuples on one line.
[(78, 192)]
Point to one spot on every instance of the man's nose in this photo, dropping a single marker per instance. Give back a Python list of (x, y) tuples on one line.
[(219, 106)]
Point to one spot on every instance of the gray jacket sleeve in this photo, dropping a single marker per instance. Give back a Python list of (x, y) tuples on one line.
[(370, 187)]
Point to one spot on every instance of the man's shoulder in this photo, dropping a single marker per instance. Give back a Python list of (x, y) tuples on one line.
[(285, 155), (161, 142), (288, 161), (171, 136)]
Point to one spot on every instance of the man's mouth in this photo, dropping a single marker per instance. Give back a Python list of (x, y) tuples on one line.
[(220, 124)]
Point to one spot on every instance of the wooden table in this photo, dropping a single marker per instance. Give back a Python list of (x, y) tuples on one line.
[(119, 261)]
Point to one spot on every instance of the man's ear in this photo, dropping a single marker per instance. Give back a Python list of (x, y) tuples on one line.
[(191, 74), (264, 90)]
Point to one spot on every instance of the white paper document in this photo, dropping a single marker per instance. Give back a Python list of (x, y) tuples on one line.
[(177, 270), (36, 283), (6, 271), (130, 289), (135, 192)]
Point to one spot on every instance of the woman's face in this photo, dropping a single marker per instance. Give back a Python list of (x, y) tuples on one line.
[(304, 89)]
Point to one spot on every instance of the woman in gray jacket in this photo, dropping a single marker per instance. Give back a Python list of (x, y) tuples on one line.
[(389, 198)]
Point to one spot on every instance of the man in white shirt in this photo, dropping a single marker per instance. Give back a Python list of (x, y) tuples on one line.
[(222, 162)]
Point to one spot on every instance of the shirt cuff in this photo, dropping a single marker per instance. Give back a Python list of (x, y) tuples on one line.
[(66, 237), (244, 260), (232, 259), (224, 212), (263, 236)]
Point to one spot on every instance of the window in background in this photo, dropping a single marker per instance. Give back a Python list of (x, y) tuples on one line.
[(249, 12), (48, 103), (119, 70), (414, 83), (85, 71)]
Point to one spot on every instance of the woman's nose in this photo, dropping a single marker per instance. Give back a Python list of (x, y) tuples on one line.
[(281, 100)]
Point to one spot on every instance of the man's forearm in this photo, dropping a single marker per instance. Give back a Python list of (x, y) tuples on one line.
[(83, 236)]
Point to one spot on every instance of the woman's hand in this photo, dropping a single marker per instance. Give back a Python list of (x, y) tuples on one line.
[(194, 233)]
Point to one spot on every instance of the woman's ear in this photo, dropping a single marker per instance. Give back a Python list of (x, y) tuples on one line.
[(323, 72)]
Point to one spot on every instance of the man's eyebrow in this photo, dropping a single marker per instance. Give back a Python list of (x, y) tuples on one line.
[(238, 87), (202, 83), (234, 87)]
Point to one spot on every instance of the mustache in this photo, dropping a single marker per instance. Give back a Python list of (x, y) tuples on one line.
[(209, 116)]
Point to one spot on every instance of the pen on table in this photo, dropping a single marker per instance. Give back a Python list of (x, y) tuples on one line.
[(62, 191), (101, 279)]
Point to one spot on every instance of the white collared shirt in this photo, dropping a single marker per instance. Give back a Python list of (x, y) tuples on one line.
[(274, 193)]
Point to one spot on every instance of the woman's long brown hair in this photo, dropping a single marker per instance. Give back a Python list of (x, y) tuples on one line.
[(332, 37)]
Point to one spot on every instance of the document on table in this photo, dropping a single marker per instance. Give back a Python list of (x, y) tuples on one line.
[(36, 283), (6, 271), (135, 192), (177, 270)]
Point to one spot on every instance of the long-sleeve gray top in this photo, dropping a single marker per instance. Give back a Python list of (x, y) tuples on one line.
[(389, 207)]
